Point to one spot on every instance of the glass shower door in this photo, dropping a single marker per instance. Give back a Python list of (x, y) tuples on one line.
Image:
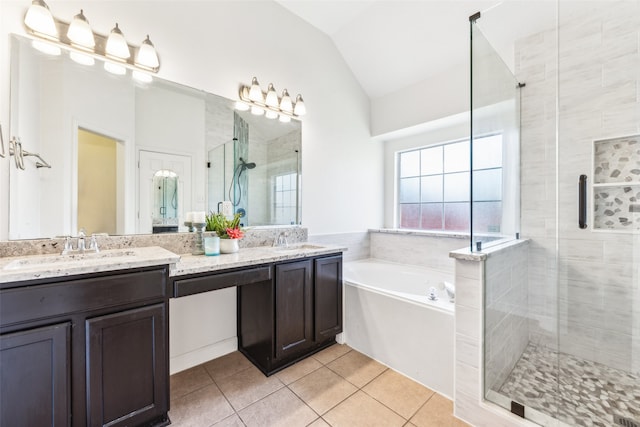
[(598, 181)]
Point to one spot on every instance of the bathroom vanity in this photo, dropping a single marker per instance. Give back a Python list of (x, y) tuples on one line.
[(85, 341), (289, 303)]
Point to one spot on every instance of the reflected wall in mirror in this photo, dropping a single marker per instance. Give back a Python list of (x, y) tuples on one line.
[(154, 126), (258, 172)]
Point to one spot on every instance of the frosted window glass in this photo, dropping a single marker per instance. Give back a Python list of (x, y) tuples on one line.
[(456, 187), (487, 217), (487, 152), (410, 216), (487, 185), (431, 188), (431, 161), (431, 216), (456, 216), (456, 157), (410, 164), (409, 190)]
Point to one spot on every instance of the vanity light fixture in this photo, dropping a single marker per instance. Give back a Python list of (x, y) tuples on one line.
[(252, 97), (51, 36)]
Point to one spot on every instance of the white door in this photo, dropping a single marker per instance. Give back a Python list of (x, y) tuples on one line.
[(151, 162)]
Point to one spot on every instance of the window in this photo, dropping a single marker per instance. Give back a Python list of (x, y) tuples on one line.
[(433, 186), (284, 198)]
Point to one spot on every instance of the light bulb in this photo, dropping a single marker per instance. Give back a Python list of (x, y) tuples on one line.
[(45, 47), (257, 111), (299, 109), (255, 93), (271, 114), (285, 102), (272, 97), (147, 55), (117, 45), (82, 58), (242, 106), (80, 32), (40, 19), (116, 69), (141, 76), (284, 118)]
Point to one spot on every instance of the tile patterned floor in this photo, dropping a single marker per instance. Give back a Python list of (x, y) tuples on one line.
[(587, 393), (335, 387)]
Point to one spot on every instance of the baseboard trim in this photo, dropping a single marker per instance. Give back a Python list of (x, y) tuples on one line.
[(201, 355)]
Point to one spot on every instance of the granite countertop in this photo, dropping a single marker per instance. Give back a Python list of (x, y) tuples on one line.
[(192, 264), (31, 267), (16, 269)]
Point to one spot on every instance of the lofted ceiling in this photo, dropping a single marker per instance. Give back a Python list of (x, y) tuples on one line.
[(393, 44)]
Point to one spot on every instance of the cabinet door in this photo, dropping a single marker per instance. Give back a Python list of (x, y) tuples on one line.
[(293, 308), (35, 377), (328, 297), (127, 372)]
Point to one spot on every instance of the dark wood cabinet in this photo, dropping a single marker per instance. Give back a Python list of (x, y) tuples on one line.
[(293, 308), (126, 367), (86, 350), (34, 377), (286, 319), (327, 297)]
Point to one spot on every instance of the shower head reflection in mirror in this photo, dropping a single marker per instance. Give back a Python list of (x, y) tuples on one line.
[(235, 191)]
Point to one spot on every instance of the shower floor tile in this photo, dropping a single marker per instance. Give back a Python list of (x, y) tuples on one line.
[(587, 393)]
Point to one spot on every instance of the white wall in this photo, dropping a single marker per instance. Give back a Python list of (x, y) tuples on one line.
[(216, 46), (439, 96)]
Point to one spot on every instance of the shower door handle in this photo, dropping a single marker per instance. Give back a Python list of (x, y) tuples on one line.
[(582, 202)]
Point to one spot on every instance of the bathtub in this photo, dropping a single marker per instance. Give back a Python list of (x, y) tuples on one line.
[(389, 317)]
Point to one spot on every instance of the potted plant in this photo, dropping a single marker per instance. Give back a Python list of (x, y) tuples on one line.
[(228, 230)]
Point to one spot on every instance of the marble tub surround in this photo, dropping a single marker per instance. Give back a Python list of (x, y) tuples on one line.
[(192, 264), (16, 269), (426, 249), (178, 243), (358, 243)]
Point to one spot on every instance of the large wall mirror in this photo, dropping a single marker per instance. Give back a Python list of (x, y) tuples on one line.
[(129, 157)]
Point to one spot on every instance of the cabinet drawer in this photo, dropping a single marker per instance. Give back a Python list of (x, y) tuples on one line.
[(212, 282), (60, 298)]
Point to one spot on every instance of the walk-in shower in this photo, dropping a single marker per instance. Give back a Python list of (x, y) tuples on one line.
[(562, 346)]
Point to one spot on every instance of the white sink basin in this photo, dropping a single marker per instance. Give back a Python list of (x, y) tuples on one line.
[(42, 261)]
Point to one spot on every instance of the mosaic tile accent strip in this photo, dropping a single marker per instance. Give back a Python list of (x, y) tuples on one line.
[(617, 162), (587, 393)]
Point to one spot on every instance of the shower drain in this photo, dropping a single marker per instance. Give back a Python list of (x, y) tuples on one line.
[(625, 422)]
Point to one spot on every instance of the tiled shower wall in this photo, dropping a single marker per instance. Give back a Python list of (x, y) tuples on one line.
[(592, 67), (506, 323)]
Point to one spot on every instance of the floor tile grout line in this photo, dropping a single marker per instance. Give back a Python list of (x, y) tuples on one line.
[(393, 410)]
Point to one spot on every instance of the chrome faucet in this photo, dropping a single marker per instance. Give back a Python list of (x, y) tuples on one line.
[(81, 242), (281, 240), (81, 245)]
